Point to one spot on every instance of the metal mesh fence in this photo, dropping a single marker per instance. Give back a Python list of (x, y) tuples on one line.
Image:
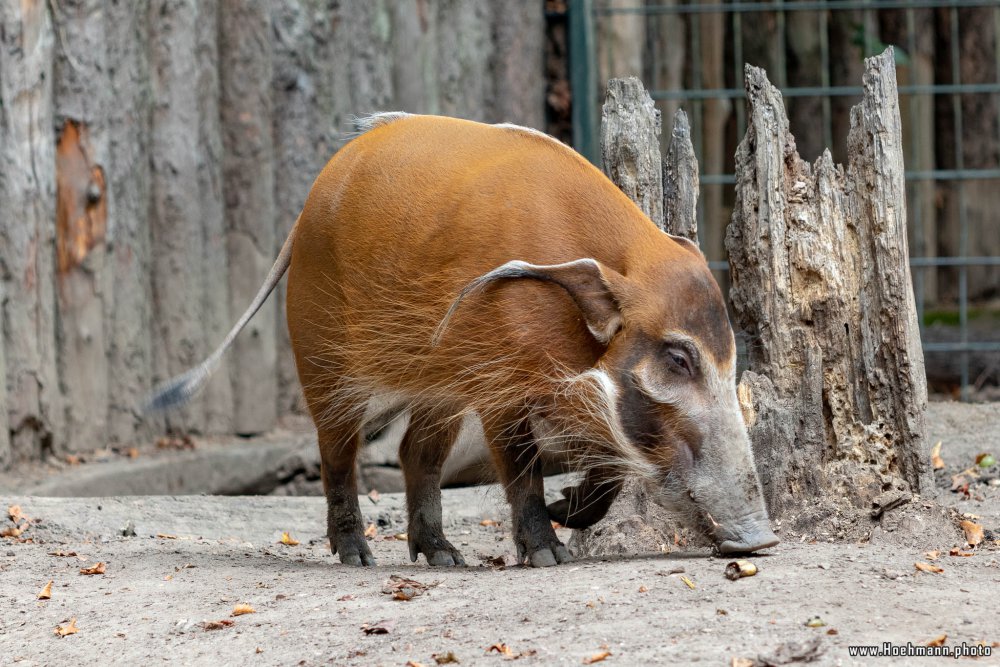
[(691, 54)]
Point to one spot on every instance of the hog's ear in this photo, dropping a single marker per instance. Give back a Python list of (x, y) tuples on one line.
[(591, 285)]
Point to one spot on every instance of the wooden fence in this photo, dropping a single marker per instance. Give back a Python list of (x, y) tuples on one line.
[(153, 156)]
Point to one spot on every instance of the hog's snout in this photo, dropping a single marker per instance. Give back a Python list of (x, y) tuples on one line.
[(749, 533)]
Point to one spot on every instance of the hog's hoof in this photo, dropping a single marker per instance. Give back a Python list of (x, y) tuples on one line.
[(437, 550), (353, 550), (545, 556)]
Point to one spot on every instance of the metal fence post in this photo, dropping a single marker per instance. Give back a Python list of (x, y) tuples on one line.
[(583, 78)]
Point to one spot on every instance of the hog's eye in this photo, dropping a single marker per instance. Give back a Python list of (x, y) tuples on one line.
[(679, 361)]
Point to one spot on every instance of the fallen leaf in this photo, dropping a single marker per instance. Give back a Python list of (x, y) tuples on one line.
[(502, 649), (938, 641), (741, 662), (11, 531), (217, 625), (958, 552), (927, 567), (445, 658), (73, 459), (165, 536), (371, 531), (401, 588), (15, 513), (986, 460), (46, 593), (932, 555), (96, 569), (936, 459), (288, 540), (69, 629), (496, 562), (414, 663), (487, 522), (169, 577), (688, 582), (598, 657), (132, 452), (62, 553), (973, 532), (346, 598), (374, 496), (832, 631), (379, 627), (241, 609)]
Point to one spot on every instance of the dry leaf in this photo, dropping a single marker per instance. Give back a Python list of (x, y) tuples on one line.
[(288, 540), (132, 452), (445, 658), (96, 569), (502, 649), (936, 459), (401, 588), (487, 522), (345, 598), (62, 553), (958, 552), (414, 663), (379, 627), (741, 662), (932, 555), (371, 531), (46, 593), (241, 609), (927, 567), (938, 641), (973, 532), (164, 536), (15, 514), (598, 657), (688, 582), (217, 625), (11, 531), (69, 629)]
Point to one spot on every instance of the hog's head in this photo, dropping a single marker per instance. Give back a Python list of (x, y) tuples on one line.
[(664, 391)]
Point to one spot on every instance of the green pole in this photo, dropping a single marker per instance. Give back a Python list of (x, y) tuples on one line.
[(583, 79)]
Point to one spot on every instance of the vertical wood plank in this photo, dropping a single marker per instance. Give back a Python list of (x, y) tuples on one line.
[(245, 69), (27, 239)]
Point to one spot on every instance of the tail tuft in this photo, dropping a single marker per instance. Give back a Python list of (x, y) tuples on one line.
[(176, 391)]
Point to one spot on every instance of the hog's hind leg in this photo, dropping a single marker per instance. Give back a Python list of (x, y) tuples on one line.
[(516, 457), (338, 448), (425, 446)]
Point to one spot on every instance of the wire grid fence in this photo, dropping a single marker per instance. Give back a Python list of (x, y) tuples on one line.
[(584, 23)]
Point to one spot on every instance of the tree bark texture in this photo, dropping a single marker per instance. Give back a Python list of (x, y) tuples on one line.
[(668, 194), (153, 157), (821, 286)]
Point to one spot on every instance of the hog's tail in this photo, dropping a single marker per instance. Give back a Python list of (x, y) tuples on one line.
[(180, 389)]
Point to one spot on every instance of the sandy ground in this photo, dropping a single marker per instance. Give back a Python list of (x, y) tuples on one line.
[(159, 594)]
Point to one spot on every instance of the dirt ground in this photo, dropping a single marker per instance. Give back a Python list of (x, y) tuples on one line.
[(168, 592)]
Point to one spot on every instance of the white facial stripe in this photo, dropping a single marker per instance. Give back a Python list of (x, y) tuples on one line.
[(609, 412)]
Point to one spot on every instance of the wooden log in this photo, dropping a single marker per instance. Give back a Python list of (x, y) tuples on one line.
[(130, 365), (216, 308), (84, 286), (630, 145), (248, 183), (175, 212), (517, 72), (465, 51), (27, 233), (680, 181), (821, 285)]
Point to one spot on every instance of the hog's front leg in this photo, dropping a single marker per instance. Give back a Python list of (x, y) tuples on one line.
[(516, 457)]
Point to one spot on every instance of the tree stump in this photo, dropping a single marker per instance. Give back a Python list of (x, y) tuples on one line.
[(836, 392), (667, 191)]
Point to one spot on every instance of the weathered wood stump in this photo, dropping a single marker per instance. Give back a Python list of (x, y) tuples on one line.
[(821, 286), (667, 191)]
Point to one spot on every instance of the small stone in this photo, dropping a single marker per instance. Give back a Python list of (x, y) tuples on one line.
[(128, 530)]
